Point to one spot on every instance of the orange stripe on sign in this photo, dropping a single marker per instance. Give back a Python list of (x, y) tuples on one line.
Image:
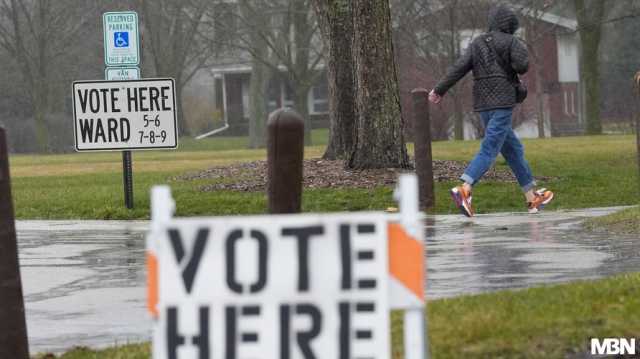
[(406, 259), (152, 284)]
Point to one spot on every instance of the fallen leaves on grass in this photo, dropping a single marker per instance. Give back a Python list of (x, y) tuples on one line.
[(318, 173)]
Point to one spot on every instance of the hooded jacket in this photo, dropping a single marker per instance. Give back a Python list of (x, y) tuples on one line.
[(493, 86)]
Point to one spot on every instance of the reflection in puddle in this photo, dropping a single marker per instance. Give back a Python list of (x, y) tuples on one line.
[(493, 252)]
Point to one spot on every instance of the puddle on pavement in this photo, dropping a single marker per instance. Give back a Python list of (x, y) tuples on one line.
[(491, 252), (84, 281)]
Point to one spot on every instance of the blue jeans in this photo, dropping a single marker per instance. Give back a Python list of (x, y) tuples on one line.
[(499, 138)]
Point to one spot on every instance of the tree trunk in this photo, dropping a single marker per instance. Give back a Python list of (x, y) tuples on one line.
[(42, 130), (40, 105), (33, 65), (454, 54), (536, 35), (379, 141), (304, 75), (301, 103), (183, 129), (257, 104), (260, 73), (458, 116), (539, 100), (590, 73), (336, 25), (590, 15)]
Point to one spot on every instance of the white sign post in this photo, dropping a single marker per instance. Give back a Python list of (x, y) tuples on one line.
[(283, 286), (121, 39), (125, 115)]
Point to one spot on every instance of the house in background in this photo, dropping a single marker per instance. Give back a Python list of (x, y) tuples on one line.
[(560, 81), (553, 79), (231, 88), (232, 74), (554, 89)]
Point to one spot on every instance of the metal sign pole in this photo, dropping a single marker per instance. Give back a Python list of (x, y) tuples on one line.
[(122, 50), (127, 177), (127, 168)]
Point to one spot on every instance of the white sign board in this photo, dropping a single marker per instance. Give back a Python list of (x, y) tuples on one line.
[(122, 73), (125, 115), (121, 38), (295, 286)]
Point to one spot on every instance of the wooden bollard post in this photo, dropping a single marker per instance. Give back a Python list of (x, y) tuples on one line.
[(422, 148), (13, 326), (285, 150)]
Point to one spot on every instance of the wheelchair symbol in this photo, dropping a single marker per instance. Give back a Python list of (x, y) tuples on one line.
[(121, 39)]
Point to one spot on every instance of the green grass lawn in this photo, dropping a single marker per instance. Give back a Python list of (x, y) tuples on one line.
[(588, 172), (132, 351), (545, 322), (626, 221)]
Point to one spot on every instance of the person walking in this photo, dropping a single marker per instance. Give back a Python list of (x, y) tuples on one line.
[(496, 58)]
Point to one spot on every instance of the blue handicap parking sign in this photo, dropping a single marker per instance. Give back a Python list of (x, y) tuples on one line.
[(121, 39)]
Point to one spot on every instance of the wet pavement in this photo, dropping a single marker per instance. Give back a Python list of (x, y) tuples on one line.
[(510, 251), (84, 281)]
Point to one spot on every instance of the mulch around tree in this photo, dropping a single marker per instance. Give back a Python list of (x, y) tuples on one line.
[(319, 173)]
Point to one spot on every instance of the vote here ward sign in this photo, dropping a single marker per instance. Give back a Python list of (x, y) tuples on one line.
[(125, 115), (289, 286)]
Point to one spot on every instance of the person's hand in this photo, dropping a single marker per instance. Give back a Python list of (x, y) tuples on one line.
[(434, 97)]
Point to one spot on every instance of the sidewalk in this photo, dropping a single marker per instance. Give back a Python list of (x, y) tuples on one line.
[(509, 251)]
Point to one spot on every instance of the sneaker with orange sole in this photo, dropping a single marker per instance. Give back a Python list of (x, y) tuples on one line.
[(462, 199), (542, 198)]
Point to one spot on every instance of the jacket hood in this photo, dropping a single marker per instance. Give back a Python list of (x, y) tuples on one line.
[(503, 19)]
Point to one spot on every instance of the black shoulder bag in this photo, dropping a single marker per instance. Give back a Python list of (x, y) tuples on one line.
[(520, 87)]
